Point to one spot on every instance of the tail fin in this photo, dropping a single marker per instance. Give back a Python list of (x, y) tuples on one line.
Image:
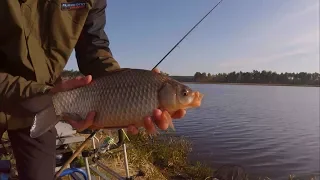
[(45, 117)]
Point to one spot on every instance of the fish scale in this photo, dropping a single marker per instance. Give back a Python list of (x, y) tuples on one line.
[(121, 98)]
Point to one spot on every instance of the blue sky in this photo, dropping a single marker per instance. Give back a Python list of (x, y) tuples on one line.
[(239, 35)]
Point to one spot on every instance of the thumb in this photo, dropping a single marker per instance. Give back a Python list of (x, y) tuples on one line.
[(81, 125), (156, 70), (72, 84), (76, 82)]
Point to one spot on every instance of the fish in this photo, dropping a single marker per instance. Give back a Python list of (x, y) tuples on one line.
[(120, 98)]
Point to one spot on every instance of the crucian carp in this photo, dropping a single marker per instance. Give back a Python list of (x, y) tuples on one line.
[(120, 98)]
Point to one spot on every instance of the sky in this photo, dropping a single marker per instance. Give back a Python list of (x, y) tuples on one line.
[(246, 35)]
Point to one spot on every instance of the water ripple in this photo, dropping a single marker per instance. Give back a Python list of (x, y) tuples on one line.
[(269, 131)]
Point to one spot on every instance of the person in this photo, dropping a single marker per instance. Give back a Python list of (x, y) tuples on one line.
[(36, 41)]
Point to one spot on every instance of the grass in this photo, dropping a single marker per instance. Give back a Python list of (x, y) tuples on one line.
[(163, 157), (169, 155)]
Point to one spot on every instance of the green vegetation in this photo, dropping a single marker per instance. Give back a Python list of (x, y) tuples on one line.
[(162, 157), (169, 154), (254, 77), (263, 77)]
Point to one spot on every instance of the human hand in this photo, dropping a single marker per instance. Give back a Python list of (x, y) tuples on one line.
[(72, 84), (162, 119)]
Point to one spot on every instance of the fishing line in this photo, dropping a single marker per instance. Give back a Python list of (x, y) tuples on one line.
[(57, 174), (187, 34)]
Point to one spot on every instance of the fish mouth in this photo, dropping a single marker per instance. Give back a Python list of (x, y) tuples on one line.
[(197, 99)]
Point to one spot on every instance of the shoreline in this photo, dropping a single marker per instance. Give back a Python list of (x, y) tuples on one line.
[(251, 84), (165, 157)]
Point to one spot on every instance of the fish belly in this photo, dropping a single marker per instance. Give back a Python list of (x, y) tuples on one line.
[(118, 101)]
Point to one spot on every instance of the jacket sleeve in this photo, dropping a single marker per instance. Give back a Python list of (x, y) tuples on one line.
[(92, 49), (14, 89)]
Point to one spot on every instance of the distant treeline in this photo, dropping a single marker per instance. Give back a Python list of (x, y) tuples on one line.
[(256, 77), (260, 77)]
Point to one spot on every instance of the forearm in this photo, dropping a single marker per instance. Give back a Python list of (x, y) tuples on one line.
[(14, 89), (92, 50)]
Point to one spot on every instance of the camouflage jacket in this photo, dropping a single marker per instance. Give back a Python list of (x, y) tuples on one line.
[(37, 38)]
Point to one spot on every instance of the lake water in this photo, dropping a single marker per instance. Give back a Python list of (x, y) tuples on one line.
[(271, 131)]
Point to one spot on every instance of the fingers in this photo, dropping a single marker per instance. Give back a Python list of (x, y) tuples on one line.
[(149, 125), (179, 114), (132, 130), (71, 84), (161, 119), (81, 125), (77, 82), (156, 70), (157, 114)]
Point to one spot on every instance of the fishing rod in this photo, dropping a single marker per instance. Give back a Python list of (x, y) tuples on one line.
[(187, 34), (78, 151)]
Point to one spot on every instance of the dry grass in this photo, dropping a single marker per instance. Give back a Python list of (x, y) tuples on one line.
[(165, 157), (168, 154), (114, 159)]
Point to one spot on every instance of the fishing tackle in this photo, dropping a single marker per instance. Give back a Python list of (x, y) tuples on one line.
[(187, 34)]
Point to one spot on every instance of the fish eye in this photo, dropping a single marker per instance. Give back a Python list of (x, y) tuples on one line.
[(185, 92)]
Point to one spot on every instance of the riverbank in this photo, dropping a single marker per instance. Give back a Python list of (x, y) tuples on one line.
[(253, 84), (162, 157), (165, 157)]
